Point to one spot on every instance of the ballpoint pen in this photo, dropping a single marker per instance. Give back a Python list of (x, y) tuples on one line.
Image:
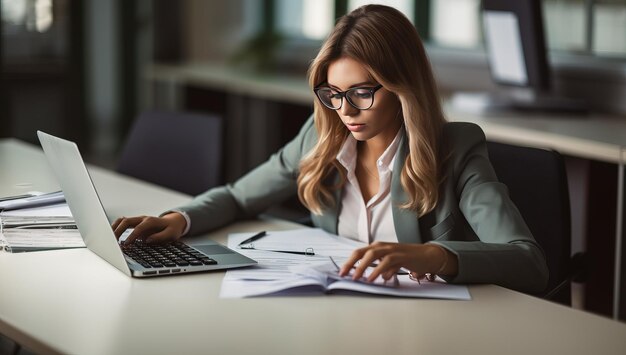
[(253, 238), (307, 251)]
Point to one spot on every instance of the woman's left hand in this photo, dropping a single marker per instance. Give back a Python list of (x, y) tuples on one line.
[(390, 257)]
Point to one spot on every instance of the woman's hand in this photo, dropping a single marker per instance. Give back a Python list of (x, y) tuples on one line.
[(390, 257), (152, 230)]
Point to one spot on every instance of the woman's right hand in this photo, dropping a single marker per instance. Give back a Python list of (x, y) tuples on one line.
[(150, 229)]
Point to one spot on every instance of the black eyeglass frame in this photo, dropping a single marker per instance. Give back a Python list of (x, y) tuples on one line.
[(344, 95)]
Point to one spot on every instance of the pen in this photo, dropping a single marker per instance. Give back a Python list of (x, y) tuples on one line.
[(253, 238), (307, 251)]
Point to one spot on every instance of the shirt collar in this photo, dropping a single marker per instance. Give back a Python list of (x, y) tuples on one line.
[(348, 153)]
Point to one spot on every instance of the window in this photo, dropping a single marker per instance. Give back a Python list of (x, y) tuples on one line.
[(609, 28), (407, 7), (308, 19), (455, 23), (588, 27), (564, 25), (33, 15)]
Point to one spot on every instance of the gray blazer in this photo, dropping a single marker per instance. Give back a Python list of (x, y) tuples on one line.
[(474, 218)]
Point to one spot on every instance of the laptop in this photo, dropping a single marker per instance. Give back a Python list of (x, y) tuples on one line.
[(92, 222)]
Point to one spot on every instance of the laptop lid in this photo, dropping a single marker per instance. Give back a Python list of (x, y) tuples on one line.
[(82, 199)]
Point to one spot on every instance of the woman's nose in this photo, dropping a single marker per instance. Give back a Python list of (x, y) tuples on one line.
[(347, 109)]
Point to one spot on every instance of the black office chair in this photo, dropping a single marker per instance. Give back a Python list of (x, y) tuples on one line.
[(181, 151), (537, 183)]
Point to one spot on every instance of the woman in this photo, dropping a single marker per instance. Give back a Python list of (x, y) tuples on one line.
[(377, 162)]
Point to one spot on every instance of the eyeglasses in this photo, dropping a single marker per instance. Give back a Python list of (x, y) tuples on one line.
[(361, 98)]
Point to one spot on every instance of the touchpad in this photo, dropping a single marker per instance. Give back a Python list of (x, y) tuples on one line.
[(213, 249)]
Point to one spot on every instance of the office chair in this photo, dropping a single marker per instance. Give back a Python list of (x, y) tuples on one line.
[(537, 183), (181, 151)]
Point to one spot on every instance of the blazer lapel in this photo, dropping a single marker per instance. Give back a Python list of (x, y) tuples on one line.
[(405, 222), (330, 217)]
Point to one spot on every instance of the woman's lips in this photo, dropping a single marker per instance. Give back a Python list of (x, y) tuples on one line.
[(355, 127)]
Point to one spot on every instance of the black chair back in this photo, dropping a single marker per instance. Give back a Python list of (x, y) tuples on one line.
[(537, 183), (181, 151)]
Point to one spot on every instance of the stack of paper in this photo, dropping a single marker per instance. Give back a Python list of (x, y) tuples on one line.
[(280, 273), (31, 223)]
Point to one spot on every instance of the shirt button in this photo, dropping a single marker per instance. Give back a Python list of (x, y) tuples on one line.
[(380, 163)]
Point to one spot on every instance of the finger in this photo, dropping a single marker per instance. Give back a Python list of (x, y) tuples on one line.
[(124, 224), (354, 257), (368, 258), (387, 275), (116, 223), (389, 264), (148, 226)]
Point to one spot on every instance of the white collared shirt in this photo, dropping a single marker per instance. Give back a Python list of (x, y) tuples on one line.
[(367, 221)]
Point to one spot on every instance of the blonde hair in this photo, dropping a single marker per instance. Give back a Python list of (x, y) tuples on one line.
[(385, 42)]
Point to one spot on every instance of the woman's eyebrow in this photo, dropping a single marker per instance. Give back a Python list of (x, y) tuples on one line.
[(363, 83)]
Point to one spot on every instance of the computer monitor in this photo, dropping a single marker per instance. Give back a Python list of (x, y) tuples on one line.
[(515, 43)]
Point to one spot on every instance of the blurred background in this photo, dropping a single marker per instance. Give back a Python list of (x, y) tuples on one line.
[(85, 69)]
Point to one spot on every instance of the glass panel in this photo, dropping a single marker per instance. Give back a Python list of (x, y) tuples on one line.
[(609, 28), (311, 19), (564, 24), (456, 23), (34, 31), (34, 15), (407, 7)]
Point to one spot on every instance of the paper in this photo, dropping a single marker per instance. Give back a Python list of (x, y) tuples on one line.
[(57, 210), (33, 200), (322, 243), (42, 238), (39, 228), (275, 266), (403, 287), (320, 278), (291, 274)]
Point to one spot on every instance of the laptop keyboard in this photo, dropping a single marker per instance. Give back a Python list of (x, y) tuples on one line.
[(168, 255)]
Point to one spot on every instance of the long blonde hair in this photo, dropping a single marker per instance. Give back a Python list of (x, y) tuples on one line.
[(385, 42)]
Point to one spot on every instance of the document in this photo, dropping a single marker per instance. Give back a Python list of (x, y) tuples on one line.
[(274, 265), (34, 199), (18, 240), (280, 273), (39, 227)]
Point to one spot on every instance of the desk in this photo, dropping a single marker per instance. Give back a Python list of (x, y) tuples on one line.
[(71, 301)]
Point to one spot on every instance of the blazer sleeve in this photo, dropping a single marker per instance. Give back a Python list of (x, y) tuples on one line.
[(506, 252), (269, 183)]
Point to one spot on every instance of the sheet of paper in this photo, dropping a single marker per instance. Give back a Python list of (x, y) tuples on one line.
[(286, 286), (290, 274), (401, 286), (271, 265), (58, 210), (43, 238), (408, 288), (35, 200), (321, 242), (274, 265)]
